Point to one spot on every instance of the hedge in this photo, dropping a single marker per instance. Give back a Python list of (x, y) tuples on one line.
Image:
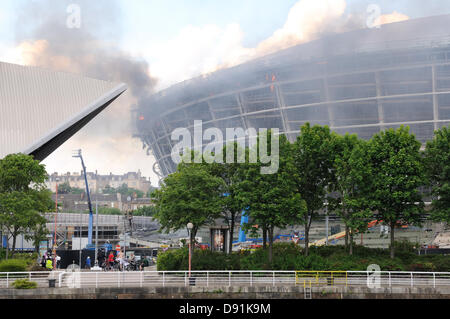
[(13, 265), (287, 256)]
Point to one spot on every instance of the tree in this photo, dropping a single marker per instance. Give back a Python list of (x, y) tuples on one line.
[(350, 184), (190, 195), (437, 162), (124, 190), (22, 194), (272, 199), (396, 173), (145, 211), (231, 175), (36, 234), (313, 161), (64, 188)]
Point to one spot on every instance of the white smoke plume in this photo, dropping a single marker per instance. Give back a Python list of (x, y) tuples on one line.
[(209, 48), (48, 41)]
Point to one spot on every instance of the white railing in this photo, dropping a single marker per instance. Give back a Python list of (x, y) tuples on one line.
[(93, 279)]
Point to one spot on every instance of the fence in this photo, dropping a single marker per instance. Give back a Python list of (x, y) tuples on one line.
[(91, 279)]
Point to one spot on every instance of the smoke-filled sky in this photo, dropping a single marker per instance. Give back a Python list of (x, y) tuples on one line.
[(151, 44)]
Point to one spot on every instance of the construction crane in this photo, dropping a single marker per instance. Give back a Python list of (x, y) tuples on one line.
[(77, 154)]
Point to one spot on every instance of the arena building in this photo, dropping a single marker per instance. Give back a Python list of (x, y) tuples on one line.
[(360, 82)]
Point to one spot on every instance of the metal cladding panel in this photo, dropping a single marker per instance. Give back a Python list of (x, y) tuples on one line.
[(36, 105)]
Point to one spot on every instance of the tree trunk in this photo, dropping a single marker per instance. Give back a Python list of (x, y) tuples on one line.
[(230, 241), (264, 237), (270, 233), (307, 226), (351, 243), (13, 248), (7, 247), (191, 244), (392, 240), (347, 229)]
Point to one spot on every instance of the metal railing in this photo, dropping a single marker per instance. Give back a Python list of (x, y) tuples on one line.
[(102, 279)]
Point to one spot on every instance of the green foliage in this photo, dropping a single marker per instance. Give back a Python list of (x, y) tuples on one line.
[(396, 173), (206, 259), (65, 188), (350, 182), (124, 190), (272, 198), (288, 256), (232, 175), (13, 265), (314, 152), (24, 284), (190, 195), (145, 211), (173, 259), (437, 161), (108, 211), (23, 195)]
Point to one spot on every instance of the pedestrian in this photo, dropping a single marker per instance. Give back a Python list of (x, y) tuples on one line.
[(121, 260), (110, 260), (58, 261), (88, 263), (43, 261), (49, 264)]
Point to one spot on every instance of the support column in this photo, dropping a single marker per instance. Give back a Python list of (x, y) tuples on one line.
[(281, 105), (435, 100), (242, 110), (379, 101), (329, 106)]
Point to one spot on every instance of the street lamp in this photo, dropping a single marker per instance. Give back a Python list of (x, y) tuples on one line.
[(55, 228), (189, 227)]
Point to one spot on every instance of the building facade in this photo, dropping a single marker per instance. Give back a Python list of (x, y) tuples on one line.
[(99, 182)]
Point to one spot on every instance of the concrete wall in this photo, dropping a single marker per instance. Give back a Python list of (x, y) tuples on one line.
[(267, 292)]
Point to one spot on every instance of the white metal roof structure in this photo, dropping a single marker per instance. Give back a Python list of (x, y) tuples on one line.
[(41, 109)]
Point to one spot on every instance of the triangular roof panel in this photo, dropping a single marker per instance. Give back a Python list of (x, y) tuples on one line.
[(41, 109)]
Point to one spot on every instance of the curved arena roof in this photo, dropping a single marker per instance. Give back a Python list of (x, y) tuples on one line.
[(41, 109), (360, 82)]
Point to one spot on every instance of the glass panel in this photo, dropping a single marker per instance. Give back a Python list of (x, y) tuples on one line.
[(305, 92), (406, 81), (356, 113), (444, 106), (352, 86), (408, 109), (266, 120), (313, 114), (260, 99)]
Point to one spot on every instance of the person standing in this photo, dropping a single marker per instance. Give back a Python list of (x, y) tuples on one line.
[(110, 263), (88, 262), (121, 260), (49, 264), (58, 261)]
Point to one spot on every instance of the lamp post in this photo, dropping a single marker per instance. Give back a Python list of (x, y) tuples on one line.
[(189, 227), (96, 228), (56, 219)]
